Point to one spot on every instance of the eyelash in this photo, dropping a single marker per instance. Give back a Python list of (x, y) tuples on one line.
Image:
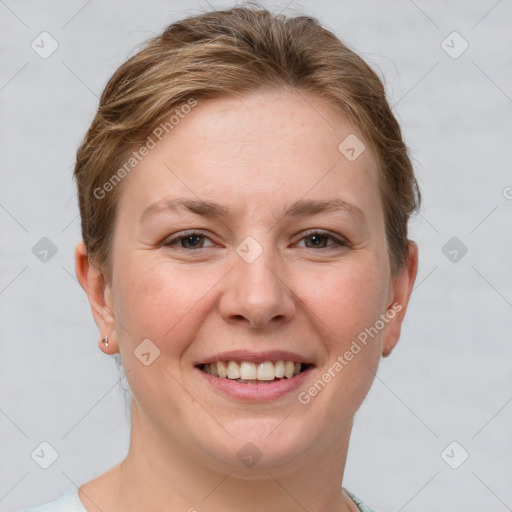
[(337, 241)]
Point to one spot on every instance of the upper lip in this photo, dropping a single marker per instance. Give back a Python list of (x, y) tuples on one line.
[(255, 357)]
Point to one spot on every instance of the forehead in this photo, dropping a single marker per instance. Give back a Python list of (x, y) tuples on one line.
[(257, 151)]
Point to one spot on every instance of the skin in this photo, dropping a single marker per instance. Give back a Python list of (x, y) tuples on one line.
[(255, 155)]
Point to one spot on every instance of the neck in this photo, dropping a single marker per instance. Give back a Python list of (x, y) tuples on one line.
[(159, 477)]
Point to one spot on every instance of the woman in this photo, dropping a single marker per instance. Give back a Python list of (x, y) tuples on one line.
[(244, 192)]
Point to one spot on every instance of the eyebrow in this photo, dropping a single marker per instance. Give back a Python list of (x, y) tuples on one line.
[(300, 208)]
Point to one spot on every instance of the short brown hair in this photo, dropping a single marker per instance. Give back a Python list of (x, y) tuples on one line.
[(232, 52)]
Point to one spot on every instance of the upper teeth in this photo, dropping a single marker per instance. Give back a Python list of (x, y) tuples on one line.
[(251, 371)]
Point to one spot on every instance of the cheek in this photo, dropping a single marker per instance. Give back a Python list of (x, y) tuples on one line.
[(346, 299), (156, 299), (346, 304)]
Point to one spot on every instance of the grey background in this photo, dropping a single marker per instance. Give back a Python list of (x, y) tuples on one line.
[(449, 378)]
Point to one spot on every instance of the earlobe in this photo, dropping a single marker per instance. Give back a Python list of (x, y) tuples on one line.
[(401, 291), (98, 293)]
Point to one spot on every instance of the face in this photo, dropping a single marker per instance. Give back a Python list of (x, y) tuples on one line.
[(246, 235)]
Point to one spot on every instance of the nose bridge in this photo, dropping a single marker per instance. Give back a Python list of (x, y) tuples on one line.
[(256, 290)]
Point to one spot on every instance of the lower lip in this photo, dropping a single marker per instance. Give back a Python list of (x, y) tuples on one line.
[(256, 392)]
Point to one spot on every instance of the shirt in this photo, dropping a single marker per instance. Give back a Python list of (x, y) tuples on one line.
[(70, 502)]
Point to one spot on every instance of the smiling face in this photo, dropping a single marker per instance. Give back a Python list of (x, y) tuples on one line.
[(246, 235)]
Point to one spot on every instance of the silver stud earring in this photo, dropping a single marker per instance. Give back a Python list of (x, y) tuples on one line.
[(105, 340)]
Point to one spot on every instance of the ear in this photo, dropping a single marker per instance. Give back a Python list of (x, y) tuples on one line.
[(99, 294), (400, 293)]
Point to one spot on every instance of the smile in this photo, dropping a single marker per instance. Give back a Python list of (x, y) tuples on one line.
[(247, 372), (258, 381)]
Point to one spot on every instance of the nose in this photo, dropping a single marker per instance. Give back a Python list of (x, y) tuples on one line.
[(257, 292)]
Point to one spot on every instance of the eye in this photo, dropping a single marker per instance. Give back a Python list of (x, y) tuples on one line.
[(195, 240), (318, 239), (192, 240)]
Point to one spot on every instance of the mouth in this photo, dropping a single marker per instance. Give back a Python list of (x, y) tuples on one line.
[(248, 372), (247, 376)]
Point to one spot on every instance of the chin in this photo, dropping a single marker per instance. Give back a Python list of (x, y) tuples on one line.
[(256, 444)]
